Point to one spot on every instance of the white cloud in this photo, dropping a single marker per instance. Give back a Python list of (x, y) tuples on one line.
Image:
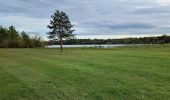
[(143, 6), (25, 23), (163, 2)]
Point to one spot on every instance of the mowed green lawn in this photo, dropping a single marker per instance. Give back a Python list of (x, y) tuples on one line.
[(85, 74)]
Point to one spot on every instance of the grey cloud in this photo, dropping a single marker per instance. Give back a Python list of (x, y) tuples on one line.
[(153, 10), (117, 26), (94, 16), (132, 26)]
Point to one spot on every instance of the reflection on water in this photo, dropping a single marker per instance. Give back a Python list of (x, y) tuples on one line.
[(89, 46)]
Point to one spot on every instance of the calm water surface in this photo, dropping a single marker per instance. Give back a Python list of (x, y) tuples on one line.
[(91, 46)]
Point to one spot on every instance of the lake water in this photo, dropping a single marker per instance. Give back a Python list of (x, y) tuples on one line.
[(89, 46)]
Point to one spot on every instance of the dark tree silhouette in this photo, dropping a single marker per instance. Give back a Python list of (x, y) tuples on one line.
[(61, 27), (13, 36), (26, 39), (4, 37)]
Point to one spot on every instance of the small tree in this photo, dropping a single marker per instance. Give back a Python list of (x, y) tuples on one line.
[(60, 27), (26, 39), (13, 36), (37, 41), (4, 37)]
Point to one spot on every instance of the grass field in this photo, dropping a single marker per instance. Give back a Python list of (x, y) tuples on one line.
[(129, 73)]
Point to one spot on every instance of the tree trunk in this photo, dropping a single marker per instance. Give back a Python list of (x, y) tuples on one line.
[(61, 44), (6, 44), (27, 45)]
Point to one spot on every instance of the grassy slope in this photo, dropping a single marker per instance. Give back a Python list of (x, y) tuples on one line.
[(121, 73)]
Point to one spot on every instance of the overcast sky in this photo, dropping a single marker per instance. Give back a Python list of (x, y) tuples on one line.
[(90, 17)]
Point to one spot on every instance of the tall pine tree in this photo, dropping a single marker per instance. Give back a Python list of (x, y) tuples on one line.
[(61, 27)]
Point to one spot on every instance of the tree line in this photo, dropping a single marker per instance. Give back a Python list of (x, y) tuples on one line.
[(145, 40), (11, 38)]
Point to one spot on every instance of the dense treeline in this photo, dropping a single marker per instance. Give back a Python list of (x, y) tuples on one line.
[(11, 38), (146, 40)]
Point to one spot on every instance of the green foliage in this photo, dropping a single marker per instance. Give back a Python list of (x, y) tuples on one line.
[(37, 41), (85, 74), (146, 40), (4, 37), (26, 39), (60, 27), (11, 38)]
